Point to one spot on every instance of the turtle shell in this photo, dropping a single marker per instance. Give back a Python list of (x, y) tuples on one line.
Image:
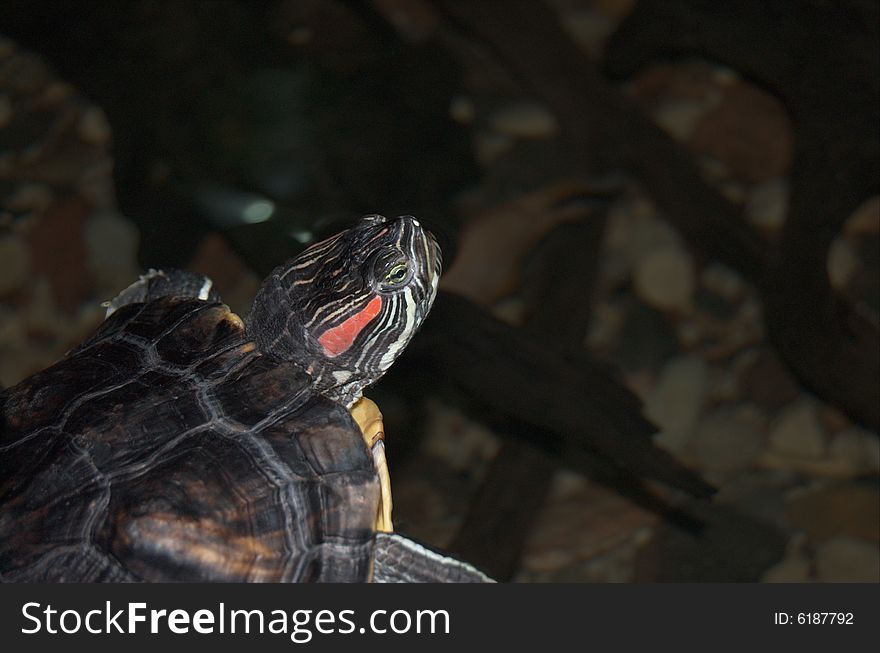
[(167, 447)]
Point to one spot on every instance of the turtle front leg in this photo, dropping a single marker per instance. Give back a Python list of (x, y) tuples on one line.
[(369, 418)]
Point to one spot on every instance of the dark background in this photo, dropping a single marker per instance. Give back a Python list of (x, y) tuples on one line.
[(672, 203)]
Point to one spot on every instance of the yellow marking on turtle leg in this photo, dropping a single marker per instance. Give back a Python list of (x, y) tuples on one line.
[(369, 419)]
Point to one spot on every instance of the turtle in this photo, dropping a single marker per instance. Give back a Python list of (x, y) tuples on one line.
[(181, 442)]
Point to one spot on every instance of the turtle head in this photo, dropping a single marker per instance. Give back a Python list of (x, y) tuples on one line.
[(346, 307)]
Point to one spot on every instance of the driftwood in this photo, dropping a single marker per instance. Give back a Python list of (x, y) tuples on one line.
[(821, 60), (824, 341), (559, 291), (499, 517), (564, 399)]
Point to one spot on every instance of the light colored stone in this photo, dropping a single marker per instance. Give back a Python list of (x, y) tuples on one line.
[(633, 231), (733, 190), (14, 263), (57, 91), (491, 146), (858, 448), (30, 198), (112, 242), (524, 120), (605, 324), (842, 263), (13, 330), (511, 310), (96, 184), (729, 439), (689, 333), (679, 118), (456, 439), (791, 569), (797, 432), (41, 314), (581, 522), (24, 73), (462, 110), (714, 169), (767, 204), (828, 509), (664, 279), (615, 9), (845, 559), (676, 401), (725, 76), (865, 220), (93, 127), (589, 29), (722, 281), (724, 384)]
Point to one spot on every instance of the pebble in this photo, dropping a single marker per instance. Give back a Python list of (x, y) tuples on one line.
[(665, 279), (512, 310), (858, 449), (733, 191), (794, 568), (458, 441), (848, 560), (679, 118), (729, 439), (617, 9), (41, 314), (57, 91), (95, 183), (525, 119), (830, 509), (14, 263), (865, 220), (676, 401), (462, 110), (111, 243), (491, 146), (689, 332), (30, 197), (93, 127), (13, 330), (767, 205), (605, 324), (589, 29), (722, 281), (633, 230), (759, 493), (23, 73), (766, 380), (715, 171), (843, 262), (797, 432), (832, 419), (646, 340), (724, 384), (580, 522), (749, 130), (59, 253)]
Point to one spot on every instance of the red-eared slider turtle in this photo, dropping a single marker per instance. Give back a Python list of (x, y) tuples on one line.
[(182, 443)]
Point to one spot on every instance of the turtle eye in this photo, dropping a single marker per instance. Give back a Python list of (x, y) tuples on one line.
[(397, 274)]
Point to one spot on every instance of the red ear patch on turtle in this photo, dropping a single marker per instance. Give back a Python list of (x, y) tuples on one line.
[(338, 339)]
